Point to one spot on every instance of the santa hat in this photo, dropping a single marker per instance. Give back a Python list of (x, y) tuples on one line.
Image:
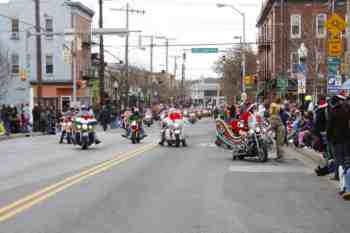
[(342, 95), (323, 103)]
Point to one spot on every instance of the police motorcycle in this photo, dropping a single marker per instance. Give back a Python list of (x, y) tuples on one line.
[(85, 135), (172, 133)]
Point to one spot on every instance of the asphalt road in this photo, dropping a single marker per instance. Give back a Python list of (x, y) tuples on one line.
[(119, 187)]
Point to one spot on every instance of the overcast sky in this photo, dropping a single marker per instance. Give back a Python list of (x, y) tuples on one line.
[(189, 21)]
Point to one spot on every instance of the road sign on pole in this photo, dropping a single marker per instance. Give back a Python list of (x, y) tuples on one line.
[(336, 23), (204, 50), (335, 48), (301, 83)]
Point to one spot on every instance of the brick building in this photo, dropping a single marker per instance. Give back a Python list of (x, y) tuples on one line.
[(283, 26)]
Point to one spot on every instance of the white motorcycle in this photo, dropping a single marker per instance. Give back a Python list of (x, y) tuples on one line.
[(148, 119), (173, 133)]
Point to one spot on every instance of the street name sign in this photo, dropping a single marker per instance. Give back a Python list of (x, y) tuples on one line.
[(204, 50)]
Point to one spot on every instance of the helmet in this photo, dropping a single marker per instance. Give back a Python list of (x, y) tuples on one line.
[(308, 98)]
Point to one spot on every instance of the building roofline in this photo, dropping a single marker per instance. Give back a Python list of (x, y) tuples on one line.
[(267, 5), (82, 7)]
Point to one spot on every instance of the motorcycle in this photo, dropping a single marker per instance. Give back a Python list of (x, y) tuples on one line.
[(253, 144), (135, 132), (173, 133), (148, 120), (85, 134)]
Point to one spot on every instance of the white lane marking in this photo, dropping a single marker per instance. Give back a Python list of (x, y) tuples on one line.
[(207, 145), (268, 169)]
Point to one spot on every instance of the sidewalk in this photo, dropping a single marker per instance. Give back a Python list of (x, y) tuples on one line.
[(20, 135)]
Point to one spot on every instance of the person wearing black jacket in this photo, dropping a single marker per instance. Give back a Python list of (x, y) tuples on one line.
[(36, 118), (5, 116), (338, 131)]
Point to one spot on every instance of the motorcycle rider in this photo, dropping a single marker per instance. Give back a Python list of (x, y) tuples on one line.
[(169, 118), (135, 116), (85, 112)]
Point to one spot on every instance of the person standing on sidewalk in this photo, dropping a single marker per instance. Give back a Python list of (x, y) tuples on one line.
[(277, 127), (36, 117), (338, 131), (5, 116)]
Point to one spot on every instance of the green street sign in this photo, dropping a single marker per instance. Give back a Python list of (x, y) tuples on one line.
[(282, 83), (204, 50)]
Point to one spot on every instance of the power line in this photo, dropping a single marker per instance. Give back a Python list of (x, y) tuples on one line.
[(187, 44)]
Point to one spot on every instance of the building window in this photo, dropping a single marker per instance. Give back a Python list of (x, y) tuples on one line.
[(320, 28), (294, 61), (49, 64), (49, 27), (15, 29), (295, 24), (15, 63)]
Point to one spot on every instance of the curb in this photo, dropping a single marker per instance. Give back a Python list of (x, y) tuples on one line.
[(21, 135), (315, 157)]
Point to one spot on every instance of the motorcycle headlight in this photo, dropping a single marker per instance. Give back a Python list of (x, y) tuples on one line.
[(64, 124), (257, 130), (69, 123), (251, 131), (85, 126), (79, 126), (176, 125), (90, 127)]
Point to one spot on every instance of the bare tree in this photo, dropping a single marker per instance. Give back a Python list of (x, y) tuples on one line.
[(229, 68), (4, 73)]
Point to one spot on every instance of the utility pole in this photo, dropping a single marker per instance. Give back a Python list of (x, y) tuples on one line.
[(175, 65), (128, 10), (151, 54), (167, 55), (151, 68), (348, 36), (39, 71), (244, 54), (183, 77), (102, 57), (126, 103)]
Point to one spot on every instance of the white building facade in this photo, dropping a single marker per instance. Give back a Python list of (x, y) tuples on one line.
[(62, 57), (206, 92)]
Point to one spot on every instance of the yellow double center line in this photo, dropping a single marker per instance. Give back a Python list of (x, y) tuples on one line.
[(29, 201)]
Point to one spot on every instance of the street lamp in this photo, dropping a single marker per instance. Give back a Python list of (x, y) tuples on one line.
[(221, 5)]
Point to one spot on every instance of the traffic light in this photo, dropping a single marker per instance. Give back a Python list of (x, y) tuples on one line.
[(23, 74), (247, 80)]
